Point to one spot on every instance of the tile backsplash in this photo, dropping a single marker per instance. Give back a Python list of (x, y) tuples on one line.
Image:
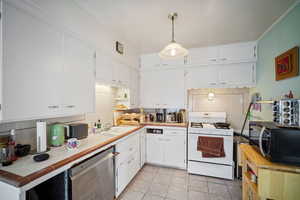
[(26, 130)]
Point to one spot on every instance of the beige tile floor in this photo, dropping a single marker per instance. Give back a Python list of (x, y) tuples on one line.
[(158, 183)]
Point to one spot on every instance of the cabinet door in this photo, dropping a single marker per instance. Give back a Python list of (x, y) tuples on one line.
[(133, 165), (149, 93), (201, 77), (1, 62), (213, 55), (122, 177), (242, 52), (237, 75), (125, 75), (134, 88), (104, 68), (32, 66), (198, 57), (154, 148), (175, 151), (173, 62), (78, 77), (150, 60), (143, 147), (171, 89)]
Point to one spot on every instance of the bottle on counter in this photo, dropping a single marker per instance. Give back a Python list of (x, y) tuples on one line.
[(12, 145), (99, 125)]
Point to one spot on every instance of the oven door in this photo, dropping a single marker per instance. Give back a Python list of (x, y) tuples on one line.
[(194, 155)]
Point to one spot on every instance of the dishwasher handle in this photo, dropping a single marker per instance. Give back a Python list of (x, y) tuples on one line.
[(109, 156)]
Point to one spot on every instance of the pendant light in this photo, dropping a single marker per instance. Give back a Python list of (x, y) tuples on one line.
[(173, 50)]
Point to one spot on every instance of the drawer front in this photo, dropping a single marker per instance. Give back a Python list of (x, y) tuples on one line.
[(278, 185), (175, 131), (207, 169), (127, 147)]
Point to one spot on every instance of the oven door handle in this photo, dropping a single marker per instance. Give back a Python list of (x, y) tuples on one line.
[(260, 141)]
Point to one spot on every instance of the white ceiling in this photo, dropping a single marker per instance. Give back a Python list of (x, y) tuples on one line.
[(145, 25)]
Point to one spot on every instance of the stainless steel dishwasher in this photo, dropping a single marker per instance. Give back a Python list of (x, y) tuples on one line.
[(94, 179)]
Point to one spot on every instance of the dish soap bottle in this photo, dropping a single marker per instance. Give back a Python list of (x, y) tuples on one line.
[(99, 125)]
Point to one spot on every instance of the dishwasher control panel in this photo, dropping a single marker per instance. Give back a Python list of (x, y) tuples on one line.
[(154, 131)]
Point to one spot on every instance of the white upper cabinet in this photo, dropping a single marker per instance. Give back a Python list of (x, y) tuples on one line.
[(149, 94), (162, 88), (1, 62), (121, 75), (78, 77), (173, 62), (202, 77), (237, 75), (214, 55), (150, 60), (236, 53), (104, 68), (46, 73), (221, 76), (198, 57), (32, 67), (134, 88)]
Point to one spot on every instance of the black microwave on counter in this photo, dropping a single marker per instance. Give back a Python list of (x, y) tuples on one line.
[(278, 144)]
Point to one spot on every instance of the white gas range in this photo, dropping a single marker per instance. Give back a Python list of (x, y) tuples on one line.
[(210, 124)]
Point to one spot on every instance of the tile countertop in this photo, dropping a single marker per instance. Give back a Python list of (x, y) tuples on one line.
[(25, 170)]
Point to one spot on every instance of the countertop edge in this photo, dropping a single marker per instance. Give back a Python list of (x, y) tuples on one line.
[(19, 181), (263, 163), (181, 125)]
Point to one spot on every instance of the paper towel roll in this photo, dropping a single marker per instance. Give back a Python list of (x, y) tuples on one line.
[(41, 136)]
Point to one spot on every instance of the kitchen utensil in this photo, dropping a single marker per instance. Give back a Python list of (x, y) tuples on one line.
[(22, 150), (57, 135)]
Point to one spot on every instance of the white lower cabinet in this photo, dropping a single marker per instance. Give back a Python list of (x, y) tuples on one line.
[(128, 162), (143, 147), (168, 149)]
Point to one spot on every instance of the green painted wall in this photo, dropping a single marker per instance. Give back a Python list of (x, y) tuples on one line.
[(283, 36)]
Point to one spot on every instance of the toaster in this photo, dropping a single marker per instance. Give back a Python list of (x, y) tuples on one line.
[(78, 130)]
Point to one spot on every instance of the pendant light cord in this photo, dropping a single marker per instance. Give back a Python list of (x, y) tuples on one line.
[(173, 29)]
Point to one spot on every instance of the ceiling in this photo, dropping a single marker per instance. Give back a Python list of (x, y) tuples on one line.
[(145, 25)]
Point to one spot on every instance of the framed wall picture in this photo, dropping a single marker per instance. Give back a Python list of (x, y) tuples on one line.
[(287, 64), (119, 47)]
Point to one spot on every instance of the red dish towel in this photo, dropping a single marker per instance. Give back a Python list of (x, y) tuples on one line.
[(211, 147)]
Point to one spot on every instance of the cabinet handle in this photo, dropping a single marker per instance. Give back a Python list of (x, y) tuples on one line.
[(116, 153), (223, 83), (130, 149), (213, 84), (70, 106), (223, 59), (253, 73), (254, 51), (53, 107), (214, 60)]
